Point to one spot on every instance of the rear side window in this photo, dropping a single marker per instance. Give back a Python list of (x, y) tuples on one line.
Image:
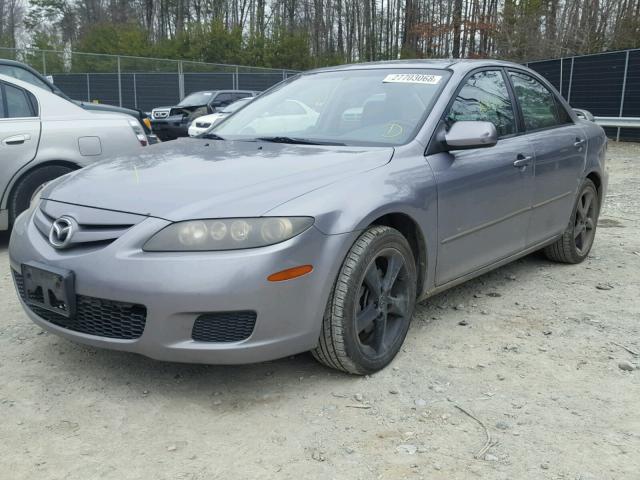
[(224, 99), (538, 104), (18, 103), (485, 98)]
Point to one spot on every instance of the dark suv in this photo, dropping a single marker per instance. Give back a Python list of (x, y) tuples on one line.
[(173, 122), (26, 73)]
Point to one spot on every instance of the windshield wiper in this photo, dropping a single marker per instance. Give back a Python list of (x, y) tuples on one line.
[(212, 136), (297, 141)]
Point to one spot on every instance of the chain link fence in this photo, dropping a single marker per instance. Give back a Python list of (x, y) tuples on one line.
[(606, 84), (139, 82)]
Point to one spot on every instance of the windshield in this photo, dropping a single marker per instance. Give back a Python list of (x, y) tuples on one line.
[(236, 105), (351, 107), (196, 99)]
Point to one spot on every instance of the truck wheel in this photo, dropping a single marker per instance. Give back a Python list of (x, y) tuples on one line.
[(29, 184), (370, 308)]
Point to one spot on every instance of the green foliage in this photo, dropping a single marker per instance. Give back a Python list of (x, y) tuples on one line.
[(303, 34), (46, 57), (289, 49), (111, 38)]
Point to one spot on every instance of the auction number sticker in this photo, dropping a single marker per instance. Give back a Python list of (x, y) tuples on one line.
[(412, 78)]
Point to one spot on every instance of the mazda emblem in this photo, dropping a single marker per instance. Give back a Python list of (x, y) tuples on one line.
[(61, 232)]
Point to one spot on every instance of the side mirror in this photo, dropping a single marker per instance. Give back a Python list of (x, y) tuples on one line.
[(584, 114), (464, 135)]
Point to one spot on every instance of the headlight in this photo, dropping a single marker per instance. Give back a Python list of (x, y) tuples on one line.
[(226, 234)]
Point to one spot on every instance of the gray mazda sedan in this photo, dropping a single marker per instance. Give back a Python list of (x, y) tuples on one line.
[(266, 237)]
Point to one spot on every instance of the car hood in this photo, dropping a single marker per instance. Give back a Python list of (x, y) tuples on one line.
[(198, 178), (211, 117)]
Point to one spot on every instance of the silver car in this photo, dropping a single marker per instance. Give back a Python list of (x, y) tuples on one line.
[(243, 246), (44, 136)]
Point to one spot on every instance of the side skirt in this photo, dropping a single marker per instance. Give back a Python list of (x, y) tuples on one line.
[(488, 268)]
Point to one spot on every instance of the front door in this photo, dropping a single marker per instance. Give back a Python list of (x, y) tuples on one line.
[(484, 195)]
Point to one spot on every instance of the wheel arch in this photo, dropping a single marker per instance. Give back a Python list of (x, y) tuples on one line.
[(410, 229), (32, 168), (594, 176)]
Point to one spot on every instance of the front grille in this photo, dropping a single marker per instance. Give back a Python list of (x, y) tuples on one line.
[(86, 234), (224, 326), (160, 114), (94, 316), (203, 124)]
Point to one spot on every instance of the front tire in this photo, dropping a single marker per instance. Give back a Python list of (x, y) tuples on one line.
[(576, 241), (370, 307)]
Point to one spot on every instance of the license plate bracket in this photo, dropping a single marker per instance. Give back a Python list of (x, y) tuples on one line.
[(50, 288)]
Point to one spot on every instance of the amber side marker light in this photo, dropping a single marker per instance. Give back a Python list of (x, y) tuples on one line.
[(290, 273)]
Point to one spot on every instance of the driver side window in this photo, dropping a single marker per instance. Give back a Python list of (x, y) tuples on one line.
[(485, 98)]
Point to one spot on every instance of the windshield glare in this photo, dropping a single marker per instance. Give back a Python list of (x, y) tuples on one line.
[(352, 107), (195, 99)]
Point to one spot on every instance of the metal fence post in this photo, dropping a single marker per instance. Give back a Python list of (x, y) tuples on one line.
[(88, 89), (236, 79), (180, 80), (119, 83), (135, 92), (570, 80), (284, 74), (624, 89), (561, 76), (44, 63)]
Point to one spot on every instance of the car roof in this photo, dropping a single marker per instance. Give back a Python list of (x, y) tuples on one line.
[(437, 63)]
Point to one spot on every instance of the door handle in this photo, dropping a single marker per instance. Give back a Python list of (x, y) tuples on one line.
[(579, 142), (522, 161), (16, 139)]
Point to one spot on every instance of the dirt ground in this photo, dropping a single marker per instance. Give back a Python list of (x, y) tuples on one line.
[(533, 351)]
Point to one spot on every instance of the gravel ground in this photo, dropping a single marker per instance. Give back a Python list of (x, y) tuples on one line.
[(534, 351)]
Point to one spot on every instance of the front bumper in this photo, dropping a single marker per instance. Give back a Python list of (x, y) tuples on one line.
[(176, 288)]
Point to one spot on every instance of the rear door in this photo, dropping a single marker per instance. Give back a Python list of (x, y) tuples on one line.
[(560, 152), (19, 130), (484, 194)]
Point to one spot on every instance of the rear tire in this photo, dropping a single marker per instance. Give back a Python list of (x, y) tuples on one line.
[(370, 307), (576, 241), (24, 189)]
